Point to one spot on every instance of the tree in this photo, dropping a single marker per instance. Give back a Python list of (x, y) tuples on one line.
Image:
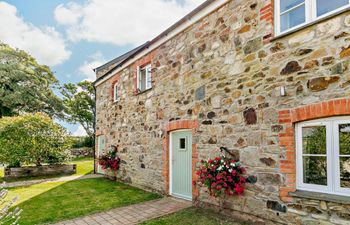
[(79, 103), (25, 85), (32, 139)]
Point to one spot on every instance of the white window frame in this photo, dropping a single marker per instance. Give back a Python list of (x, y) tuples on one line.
[(148, 78), (115, 93), (310, 14), (333, 161)]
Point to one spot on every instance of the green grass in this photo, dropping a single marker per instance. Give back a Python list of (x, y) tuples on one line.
[(84, 166), (193, 216), (56, 201)]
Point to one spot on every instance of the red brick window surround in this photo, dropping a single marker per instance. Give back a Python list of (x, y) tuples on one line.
[(287, 118), (172, 126), (144, 61), (114, 81)]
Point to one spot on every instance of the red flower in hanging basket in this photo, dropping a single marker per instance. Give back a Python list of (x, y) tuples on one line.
[(221, 176), (110, 161)]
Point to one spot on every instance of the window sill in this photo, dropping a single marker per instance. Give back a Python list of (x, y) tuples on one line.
[(321, 196), (309, 24), (145, 91)]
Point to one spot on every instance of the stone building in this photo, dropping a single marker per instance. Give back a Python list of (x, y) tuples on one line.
[(267, 79)]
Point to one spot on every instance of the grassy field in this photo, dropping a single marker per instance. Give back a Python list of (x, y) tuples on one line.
[(55, 201), (84, 166), (193, 216)]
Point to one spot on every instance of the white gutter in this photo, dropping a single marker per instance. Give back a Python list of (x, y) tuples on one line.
[(204, 12)]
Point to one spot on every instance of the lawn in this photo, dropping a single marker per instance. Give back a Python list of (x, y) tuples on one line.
[(193, 216), (55, 201), (84, 166)]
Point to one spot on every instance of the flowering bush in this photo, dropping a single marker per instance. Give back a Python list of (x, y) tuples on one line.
[(221, 176), (8, 216), (110, 161)]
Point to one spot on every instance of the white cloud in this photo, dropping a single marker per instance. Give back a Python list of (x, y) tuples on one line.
[(86, 70), (80, 131), (120, 22), (45, 44)]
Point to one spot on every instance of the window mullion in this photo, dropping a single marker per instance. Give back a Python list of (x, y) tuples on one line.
[(332, 152), (310, 11)]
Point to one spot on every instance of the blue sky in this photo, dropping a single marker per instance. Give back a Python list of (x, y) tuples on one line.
[(73, 37)]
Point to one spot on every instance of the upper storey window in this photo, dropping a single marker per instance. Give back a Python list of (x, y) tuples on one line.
[(115, 93), (144, 78), (292, 14)]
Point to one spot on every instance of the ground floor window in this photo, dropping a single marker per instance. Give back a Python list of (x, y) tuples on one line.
[(323, 155)]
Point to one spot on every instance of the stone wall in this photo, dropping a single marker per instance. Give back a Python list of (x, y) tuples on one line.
[(82, 152), (35, 171), (225, 72)]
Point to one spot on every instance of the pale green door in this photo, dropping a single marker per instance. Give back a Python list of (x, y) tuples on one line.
[(101, 142), (181, 164)]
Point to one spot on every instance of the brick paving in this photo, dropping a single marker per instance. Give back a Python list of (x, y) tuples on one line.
[(132, 214)]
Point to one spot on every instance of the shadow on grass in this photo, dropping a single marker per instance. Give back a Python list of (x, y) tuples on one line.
[(57, 201)]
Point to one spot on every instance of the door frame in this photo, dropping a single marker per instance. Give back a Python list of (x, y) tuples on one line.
[(99, 171), (168, 128), (171, 158)]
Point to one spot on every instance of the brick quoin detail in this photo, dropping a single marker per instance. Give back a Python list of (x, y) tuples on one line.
[(267, 16), (287, 118), (173, 126)]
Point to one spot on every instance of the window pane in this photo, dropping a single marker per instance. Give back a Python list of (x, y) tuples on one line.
[(288, 4), (149, 78), (344, 139), (325, 6), (142, 84), (345, 172), (182, 143), (315, 170), (314, 140), (293, 18)]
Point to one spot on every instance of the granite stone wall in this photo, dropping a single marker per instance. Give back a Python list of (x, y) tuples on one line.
[(35, 171), (226, 72)]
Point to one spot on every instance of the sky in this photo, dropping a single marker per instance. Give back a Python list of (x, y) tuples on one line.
[(74, 37)]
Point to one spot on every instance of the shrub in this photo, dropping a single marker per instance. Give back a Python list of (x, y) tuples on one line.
[(221, 176), (32, 139)]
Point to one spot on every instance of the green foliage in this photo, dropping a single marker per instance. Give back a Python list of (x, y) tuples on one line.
[(315, 168), (82, 142), (32, 139), (79, 103), (25, 85)]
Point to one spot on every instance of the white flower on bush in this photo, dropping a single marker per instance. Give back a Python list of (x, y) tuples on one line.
[(7, 215)]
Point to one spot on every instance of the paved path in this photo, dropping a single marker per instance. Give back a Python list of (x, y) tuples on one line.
[(132, 214), (58, 179)]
